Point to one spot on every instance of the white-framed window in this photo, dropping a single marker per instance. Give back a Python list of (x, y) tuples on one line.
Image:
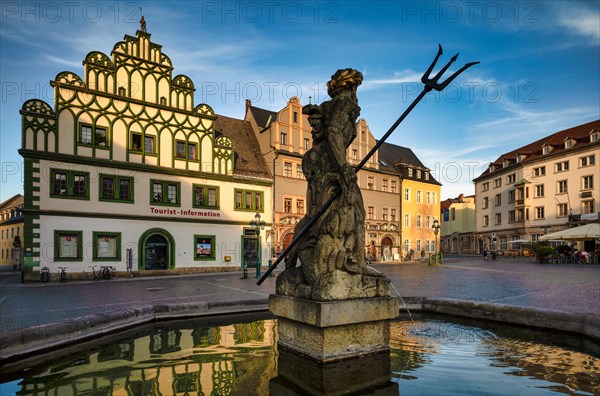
[(587, 160), (287, 205), (587, 182), (419, 196), (418, 174), (354, 154), (546, 150), (511, 179), (371, 213), (486, 220), (299, 174), (384, 214), (428, 222), (434, 198), (485, 186), (410, 172), (406, 219), (392, 214), (394, 186), (587, 206), (498, 199), (428, 197), (562, 210), (370, 183), (384, 185), (419, 217), (407, 194), (539, 171), (539, 190), (419, 247), (287, 169), (539, 212), (562, 166), (498, 218), (306, 144), (406, 245), (498, 182), (594, 136), (283, 138), (561, 187), (300, 206)]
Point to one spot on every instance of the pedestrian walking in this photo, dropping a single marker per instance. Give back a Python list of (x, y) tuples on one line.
[(485, 254)]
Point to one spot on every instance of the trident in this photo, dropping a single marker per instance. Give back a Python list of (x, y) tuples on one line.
[(430, 84)]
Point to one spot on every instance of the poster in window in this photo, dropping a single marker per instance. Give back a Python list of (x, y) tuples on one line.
[(107, 246), (68, 246), (204, 247)]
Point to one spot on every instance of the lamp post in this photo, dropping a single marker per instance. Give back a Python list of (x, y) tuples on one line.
[(258, 224), (436, 230)]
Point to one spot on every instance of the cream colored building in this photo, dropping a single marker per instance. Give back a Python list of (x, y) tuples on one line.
[(545, 186), (285, 136), (125, 169), (458, 225), (11, 232)]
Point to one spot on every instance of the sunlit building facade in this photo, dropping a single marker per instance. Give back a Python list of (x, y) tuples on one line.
[(545, 186), (284, 137), (11, 232), (125, 170)]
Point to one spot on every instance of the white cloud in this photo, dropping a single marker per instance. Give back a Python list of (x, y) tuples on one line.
[(583, 22)]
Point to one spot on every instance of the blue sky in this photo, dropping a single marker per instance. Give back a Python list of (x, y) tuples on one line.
[(539, 70)]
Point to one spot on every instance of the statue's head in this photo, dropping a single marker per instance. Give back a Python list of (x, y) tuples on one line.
[(344, 79), (315, 118)]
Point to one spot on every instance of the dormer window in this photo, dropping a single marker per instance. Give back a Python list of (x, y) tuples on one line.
[(410, 172), (504, 163), (569, 143), (519, 158), (594, 136), (546, 150), (418, 174)]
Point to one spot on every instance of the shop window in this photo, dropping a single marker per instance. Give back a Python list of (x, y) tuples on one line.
[(204, 247), (107, 246), (67, 246)]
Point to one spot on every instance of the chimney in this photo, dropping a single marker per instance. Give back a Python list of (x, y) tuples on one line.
[(248, 104), (461, 196)]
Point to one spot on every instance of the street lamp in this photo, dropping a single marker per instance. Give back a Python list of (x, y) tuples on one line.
[(258, 224), (436, 230)]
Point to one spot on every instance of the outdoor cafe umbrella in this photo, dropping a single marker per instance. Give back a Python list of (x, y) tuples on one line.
[(587, 231), (520, 242)]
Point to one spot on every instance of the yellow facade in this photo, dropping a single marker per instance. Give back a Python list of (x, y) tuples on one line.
[(420, 207), (11, 232)]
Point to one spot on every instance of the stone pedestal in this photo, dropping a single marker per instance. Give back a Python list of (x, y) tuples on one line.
[(329, 331), (299, 375)]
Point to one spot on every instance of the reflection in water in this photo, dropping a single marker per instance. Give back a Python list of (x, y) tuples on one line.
[(215, 357), (180, 358)]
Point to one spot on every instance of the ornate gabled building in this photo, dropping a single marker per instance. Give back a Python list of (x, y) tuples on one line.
[(125, 170), (545, 186), (285, 136)]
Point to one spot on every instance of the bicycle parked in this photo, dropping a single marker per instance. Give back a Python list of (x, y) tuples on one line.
[(106, 272), (62, 274)]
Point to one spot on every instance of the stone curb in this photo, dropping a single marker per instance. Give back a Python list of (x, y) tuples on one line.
[(18, 344), (583, 324), (21, 343)]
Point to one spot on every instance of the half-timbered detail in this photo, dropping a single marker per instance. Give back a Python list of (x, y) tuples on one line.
[(124, 169)]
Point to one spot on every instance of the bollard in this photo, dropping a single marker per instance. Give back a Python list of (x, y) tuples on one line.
[(270, 263), (258, 269), (245, 268)]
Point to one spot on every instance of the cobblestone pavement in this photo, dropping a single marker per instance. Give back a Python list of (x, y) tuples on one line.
[(557, 287)]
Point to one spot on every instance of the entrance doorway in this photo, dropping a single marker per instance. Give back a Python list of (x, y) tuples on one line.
[(386, 248), (286, 240), (250, 251), (157, 252)]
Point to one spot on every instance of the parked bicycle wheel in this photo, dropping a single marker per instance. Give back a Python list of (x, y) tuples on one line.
[(114, 274)]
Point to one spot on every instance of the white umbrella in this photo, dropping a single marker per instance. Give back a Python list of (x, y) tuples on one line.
[(519, 241), (587, 231)]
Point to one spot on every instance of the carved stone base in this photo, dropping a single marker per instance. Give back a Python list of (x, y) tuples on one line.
[(335, 285), (329, 331)]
